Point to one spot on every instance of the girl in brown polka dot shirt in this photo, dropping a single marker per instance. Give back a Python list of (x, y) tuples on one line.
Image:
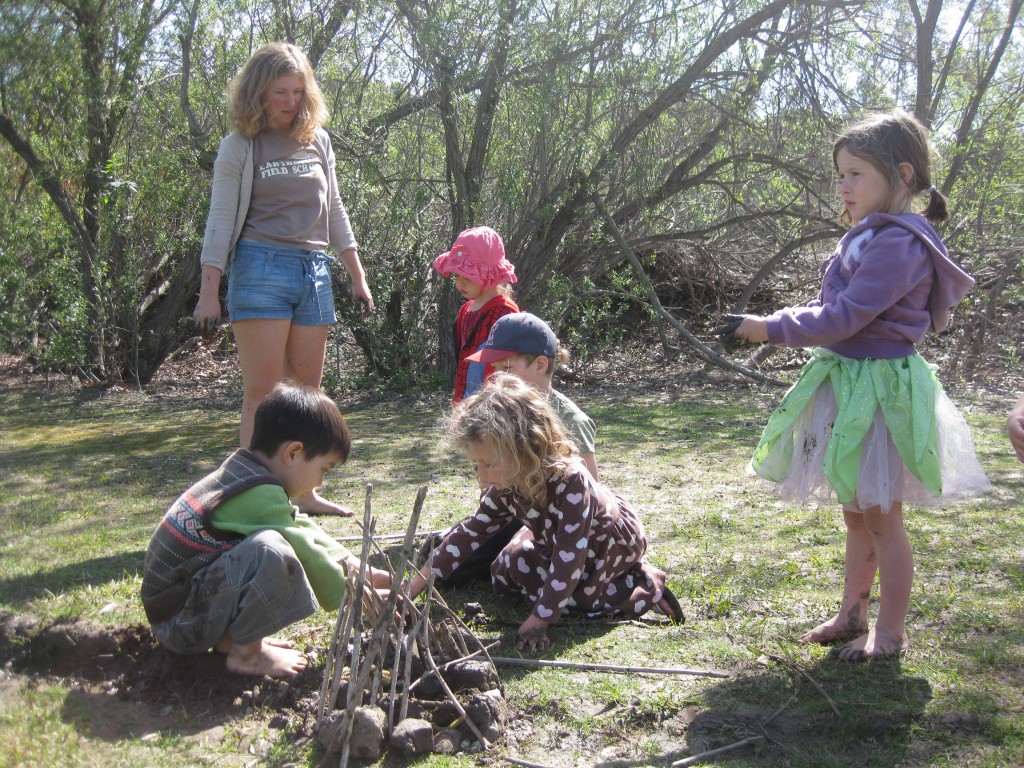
[(581, 545)]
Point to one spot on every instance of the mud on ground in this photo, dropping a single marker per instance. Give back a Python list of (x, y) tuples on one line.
[(125, 685)]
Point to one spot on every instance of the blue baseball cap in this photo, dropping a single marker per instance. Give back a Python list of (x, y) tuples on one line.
[(517, 334)]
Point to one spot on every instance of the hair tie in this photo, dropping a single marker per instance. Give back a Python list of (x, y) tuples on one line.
[(931, 189)]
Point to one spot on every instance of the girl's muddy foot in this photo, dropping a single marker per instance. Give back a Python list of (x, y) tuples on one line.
[(874, 645), (833, 631)]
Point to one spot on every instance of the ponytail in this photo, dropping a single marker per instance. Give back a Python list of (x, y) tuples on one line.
[(937, 209)]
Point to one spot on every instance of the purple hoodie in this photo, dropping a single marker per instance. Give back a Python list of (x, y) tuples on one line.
[(889, 282)]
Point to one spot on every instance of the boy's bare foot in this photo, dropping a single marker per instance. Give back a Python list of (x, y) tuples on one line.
[(837, 629), (265, 657), (313, 503), (874, 645)]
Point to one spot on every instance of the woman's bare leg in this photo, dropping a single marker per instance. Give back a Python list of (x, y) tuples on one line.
[(261, 357)]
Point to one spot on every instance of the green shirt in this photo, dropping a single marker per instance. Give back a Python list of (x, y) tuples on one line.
[(266, 507)]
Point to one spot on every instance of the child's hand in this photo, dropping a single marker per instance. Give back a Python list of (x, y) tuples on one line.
[(741, 329), (533, 635), (753, 329), (727, 333)]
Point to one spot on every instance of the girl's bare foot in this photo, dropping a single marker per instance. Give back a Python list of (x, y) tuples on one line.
[(841, 627), (265, 658), (313, 503), (669, 605), (874, 645)]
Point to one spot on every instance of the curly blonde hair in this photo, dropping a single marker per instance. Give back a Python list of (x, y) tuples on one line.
[(246, 91), (516, 419)]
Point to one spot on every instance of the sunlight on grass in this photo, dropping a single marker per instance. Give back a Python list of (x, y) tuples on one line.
[(85, 480)]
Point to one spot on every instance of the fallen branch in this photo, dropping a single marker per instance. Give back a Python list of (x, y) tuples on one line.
[(703, 350), (712, 752), (516, 662), (524, 763)]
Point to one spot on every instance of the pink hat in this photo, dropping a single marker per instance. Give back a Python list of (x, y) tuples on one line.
[(478, 255)]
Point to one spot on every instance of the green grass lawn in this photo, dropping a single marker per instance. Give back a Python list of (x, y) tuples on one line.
[(86, 475)]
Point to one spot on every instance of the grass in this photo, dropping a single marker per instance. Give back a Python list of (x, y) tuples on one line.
[(85, 476)]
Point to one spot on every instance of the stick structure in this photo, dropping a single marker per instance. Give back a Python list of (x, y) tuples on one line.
[(370, 626)]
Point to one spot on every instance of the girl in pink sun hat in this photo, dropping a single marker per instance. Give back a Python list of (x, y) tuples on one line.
[(483, 276)]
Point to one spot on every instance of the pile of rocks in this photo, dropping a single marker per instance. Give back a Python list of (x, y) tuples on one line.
[(434, 723)]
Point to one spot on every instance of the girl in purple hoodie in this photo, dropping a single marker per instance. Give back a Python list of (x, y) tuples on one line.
[(867, 422)]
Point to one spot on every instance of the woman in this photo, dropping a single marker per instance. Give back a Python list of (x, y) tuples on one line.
[(274, 211)]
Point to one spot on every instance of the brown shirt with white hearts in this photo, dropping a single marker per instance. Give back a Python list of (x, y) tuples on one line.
[(589, 535)]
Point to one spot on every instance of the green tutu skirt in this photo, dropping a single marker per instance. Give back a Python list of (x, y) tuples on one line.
[(867, 433)]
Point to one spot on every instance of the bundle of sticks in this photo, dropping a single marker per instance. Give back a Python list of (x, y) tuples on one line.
[(377, 639)]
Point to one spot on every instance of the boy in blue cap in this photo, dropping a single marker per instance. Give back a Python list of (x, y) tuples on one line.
[(525, 346)]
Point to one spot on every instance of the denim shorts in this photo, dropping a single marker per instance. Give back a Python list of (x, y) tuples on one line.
[(280, 283)]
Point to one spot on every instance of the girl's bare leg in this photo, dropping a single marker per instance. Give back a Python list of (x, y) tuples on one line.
[(861, 563), (895, 577)]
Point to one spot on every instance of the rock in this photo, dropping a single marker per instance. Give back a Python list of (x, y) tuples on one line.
[(328, 733), (488, 711), (367, 740), (471, 673), (413, 737), (448, 741), (440, 713)]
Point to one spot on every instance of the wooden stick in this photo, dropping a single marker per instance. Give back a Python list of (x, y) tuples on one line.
[(375, 646), (517, 662), (454, 700), (712, 752), (380, 537), (523, 763), (355, 687)]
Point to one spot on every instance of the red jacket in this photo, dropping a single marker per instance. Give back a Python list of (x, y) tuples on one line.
[(471, 331)]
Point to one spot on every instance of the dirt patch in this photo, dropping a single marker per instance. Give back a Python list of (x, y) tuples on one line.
[(123, 684)]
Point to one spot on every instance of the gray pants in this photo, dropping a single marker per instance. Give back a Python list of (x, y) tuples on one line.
[(250, 592)]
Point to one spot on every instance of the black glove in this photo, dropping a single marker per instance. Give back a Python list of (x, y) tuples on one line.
[(727, 333)]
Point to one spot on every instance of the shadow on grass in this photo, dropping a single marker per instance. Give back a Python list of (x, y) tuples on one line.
[(790, 722), (21, 590)]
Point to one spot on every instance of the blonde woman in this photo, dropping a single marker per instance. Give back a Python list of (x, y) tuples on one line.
[(274, 214)]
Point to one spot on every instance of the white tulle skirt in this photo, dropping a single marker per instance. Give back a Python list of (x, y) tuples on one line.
[(796, 461)]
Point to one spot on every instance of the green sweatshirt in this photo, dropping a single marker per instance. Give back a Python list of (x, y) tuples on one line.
[(267, 507)]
